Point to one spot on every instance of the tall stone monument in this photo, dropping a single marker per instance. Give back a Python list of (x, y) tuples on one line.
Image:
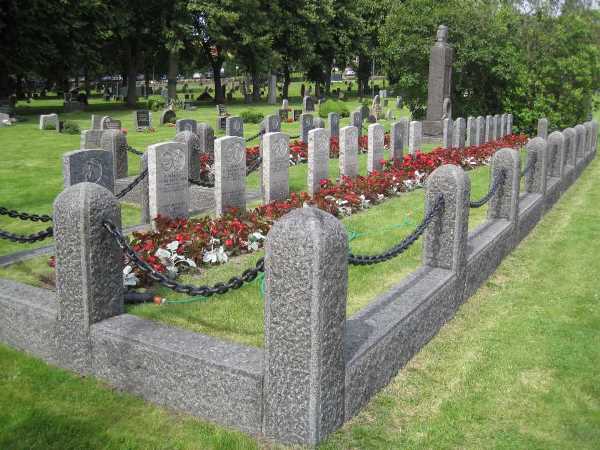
[(439, 101)]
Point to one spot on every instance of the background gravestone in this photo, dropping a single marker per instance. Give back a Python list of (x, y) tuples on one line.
[(192, 145), (230, 174), (375, 147), (458, 133), (186, 125), (92, 166), (91, 139), (207, 138), (234, 126), (356, 119), (168, 116), (318, 122), (308, 104), (480, 130), (396, 142), (96, 122), (447, 130), (168, 188), (318, 159), (46, 119), (306, 124), (108, 123), (542, 129), (276, 161), (415, 138), (334, 124), (489, 129), (115, 142), (471, 130), (405, 127), (348, 159), (142, 119)]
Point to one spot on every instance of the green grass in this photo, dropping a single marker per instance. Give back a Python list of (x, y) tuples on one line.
[(31, 169), (516, 368)]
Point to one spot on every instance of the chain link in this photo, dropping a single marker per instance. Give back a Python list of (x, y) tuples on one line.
[(23, 215), (498, 180), (134, 151), (205, 291), (133, 184), (251, 138), (27, 238), (361, 260), (254, 165), (201, 183)]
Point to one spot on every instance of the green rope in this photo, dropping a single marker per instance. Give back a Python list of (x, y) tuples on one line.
[(199, 298)]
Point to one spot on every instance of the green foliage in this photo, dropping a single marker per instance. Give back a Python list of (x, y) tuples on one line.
[(50, 126), (250, 116), (156, 103), (70, 127), (333, 106)]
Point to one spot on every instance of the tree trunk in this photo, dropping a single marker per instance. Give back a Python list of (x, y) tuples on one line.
[(216, 66), (286, 80), (255, 87), (86, 81), (362, 74), (132, 74), (172, 76)]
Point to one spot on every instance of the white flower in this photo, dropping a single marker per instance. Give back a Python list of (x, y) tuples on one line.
[(162, 253), (257, 236), (215, 256), (129, 278), (173, 246)]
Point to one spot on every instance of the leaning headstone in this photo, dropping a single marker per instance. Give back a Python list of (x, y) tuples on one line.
[(318, 123), (115, 142), (168, 187), (396, 141), (186, 125), (306, 124), (142, 119), (334, 124), (91, 139), (458, 133), (415, 138), (49, 120), (306, 279), (92, 166), (207, 138), (89, 270), (349, 152), (489, 129), (234, 126), (168, 116), (308, 104), (356, 119), (318, 159), (192, 146), (447, 130), (480, 131), (542, 129), (275, 165), (230, 174), (471, 130), (375, 147)]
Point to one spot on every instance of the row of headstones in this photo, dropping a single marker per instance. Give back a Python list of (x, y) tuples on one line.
[(476, 130)]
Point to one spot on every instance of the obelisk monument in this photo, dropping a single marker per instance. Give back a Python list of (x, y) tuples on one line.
[(439, 101)]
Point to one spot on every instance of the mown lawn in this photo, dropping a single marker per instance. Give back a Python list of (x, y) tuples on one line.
[(516, 368)]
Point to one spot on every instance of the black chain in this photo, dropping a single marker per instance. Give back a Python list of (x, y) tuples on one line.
[(133, 184), (134, 151), (24, 216), (530, 165), (205, 291), (201, 183), (251, 138), (498, 180), (294, 137), (361, 260), (27, 238), (254, 165)]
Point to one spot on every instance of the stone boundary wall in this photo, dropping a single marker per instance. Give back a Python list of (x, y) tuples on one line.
[(318, 368)]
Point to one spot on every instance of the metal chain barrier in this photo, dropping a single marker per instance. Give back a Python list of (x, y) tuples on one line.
[(134, 151), (27, 238), (23, 215), (361, 260), (205, 291), (530, 165), (498, 180), (206, 184), (254, 165), (251, 138), (133, 184)]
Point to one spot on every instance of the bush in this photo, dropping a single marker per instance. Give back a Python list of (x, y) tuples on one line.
[(71, 127), (50, 126), (333, 106), (156, 103), (251, 116)]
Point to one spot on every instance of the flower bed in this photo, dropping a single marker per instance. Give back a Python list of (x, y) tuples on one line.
[(190, 243)]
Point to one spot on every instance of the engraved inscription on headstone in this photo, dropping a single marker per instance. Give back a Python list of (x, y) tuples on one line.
[(334, 124), (142, 119), (306, 124), (234, 126), (186, 125), (396, 141), (275, 166), (375, 147), (318, 158), (349, 151), (94, 166), (230, 174)]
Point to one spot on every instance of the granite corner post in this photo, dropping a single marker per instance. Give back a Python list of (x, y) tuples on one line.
[(445, 239), (504, 204), (535, 179), (89, 270), (306, 274)]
